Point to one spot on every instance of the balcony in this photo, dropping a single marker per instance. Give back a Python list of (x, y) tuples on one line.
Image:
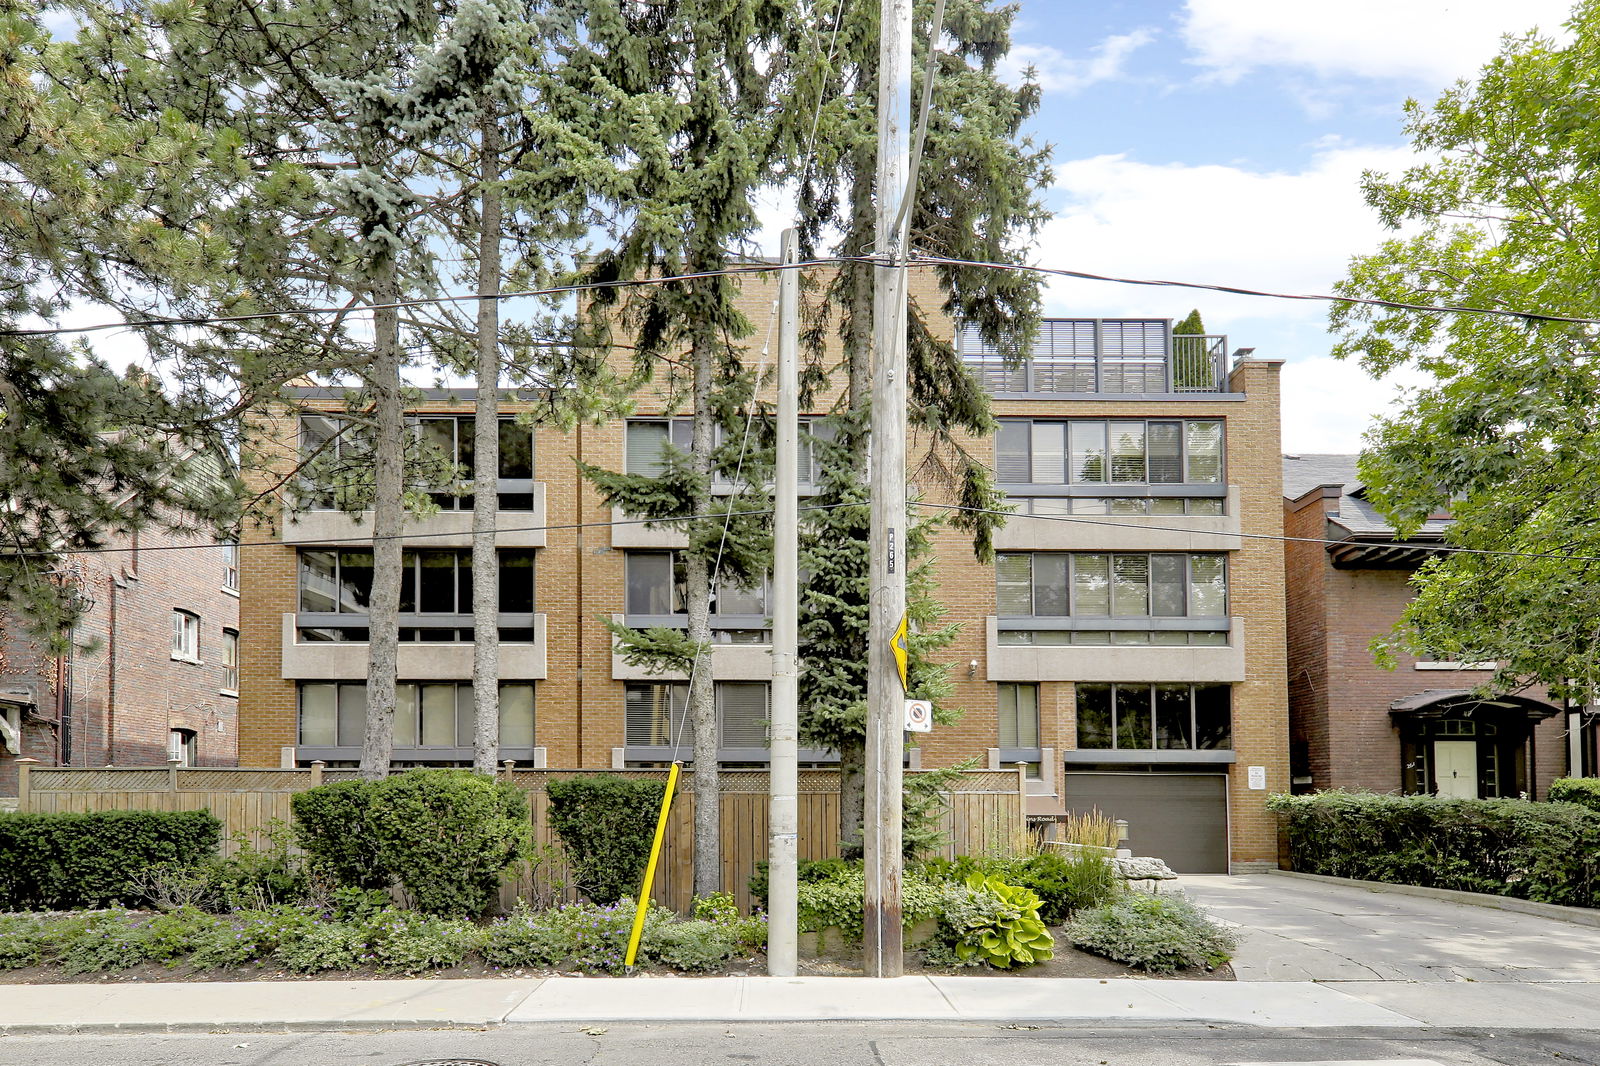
[(1103, 357)]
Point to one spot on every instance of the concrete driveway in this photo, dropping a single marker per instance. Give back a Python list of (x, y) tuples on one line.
[(1297, 930)]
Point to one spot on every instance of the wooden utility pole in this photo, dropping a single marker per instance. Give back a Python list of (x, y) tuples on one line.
[(885, 692), (784, 814)]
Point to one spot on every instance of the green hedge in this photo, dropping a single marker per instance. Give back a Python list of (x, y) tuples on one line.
[(1584, 791), (606, 825), (66, 861), (1548, 852)]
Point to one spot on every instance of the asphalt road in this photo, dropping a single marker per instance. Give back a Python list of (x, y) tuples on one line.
[(819, 1044)]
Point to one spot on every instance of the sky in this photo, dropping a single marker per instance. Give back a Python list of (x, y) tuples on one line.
[(1222, 141)]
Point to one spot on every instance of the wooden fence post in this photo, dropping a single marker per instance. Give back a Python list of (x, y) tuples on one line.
[(316, 772), (173, 763), (1021, 843), (510, 765), (24, 786)]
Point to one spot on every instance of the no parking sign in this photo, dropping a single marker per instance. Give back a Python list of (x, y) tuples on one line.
[(919, 716)]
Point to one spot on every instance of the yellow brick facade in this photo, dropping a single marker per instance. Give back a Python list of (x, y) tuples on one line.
[(580, 578)]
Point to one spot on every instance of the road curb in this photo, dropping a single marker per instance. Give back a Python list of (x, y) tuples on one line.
[(1573, 915)]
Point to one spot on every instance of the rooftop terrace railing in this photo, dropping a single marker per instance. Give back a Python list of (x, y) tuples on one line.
[(1118, 356)]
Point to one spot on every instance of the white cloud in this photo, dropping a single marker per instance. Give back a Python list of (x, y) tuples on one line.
[(1288, 232), (1058, 72), (1432, 41), (1285, 232), (1328, 404)]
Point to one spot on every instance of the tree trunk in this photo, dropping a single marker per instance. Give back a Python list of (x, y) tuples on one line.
[(858, 358), (702, 691), (388, 517), (852, 796), (486, 465)]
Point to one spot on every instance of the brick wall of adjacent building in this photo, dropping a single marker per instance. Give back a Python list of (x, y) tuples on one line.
[(1340, 697), (121, 689)]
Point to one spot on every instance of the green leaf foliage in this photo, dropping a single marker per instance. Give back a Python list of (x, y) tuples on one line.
[(1064, 883), (58, 861), (997, 924), (606, 825), (1498, 213), (1549, 852), (330, 824), (1584, 791)]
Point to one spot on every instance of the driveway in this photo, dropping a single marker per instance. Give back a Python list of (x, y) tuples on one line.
[(1295, 930)]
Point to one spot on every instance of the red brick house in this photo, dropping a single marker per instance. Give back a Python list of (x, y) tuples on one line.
[(1418, 728), (153, 671)]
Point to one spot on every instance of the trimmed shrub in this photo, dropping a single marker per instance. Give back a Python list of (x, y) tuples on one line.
[(1548, 852), (448, 835), (68, 861), (606, 825), (1584, 791), (1157, 933), (330, 824)]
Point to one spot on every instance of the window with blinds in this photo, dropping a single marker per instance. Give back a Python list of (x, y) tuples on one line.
[(1018, 713), (1159, 717), (1118, 452), (1118, 584), (656, 715), (646, 447), (429, 714)]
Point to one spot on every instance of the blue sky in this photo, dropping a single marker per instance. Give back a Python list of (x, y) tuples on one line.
[(1222, 141)]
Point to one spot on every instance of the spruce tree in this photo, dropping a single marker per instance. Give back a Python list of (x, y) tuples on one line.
[(977, 200)]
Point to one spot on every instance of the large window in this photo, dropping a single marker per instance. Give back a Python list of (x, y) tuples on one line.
[(338, 460), (451, 440), (186, 636), (657, 595), (656, 716), (1111, 597), (1111, 452), (1140, 717), (435, 595), (436, 715), (650, 442)]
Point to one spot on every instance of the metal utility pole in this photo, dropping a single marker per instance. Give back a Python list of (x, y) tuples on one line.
[(783, 816), (885, 693)]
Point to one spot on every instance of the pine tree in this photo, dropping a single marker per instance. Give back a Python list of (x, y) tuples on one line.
[(681, 99)]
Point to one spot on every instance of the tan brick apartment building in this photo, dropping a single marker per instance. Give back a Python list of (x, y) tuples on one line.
[(154, 668), (1127, 640), (1414, 729)]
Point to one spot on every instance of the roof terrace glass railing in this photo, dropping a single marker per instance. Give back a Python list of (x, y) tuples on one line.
[(1118, 356)]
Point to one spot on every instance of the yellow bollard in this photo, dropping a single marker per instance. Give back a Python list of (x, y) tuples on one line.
[(650, 868)]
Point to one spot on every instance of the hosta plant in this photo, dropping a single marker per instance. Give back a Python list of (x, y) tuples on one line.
[(999, 925)]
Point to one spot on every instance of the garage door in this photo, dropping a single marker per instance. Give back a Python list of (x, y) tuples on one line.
[(1179, 818)]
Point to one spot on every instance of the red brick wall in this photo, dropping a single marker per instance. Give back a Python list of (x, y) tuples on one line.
[(126, 690)]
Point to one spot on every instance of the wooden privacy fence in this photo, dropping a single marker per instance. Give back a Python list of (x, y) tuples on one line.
[(984, 817)]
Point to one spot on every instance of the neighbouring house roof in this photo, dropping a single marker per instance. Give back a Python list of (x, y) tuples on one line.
[(1453, 702), (1365, 538)]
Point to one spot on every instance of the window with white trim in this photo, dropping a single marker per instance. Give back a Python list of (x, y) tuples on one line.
[(181, 746), (230, 565), (185, 636)]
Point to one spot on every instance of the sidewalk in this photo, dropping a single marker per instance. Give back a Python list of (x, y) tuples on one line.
[(424, 1004)]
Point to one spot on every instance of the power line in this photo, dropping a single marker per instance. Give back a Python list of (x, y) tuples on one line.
[(1398, 305), (768, 268), (1442, 549), (430, 301)]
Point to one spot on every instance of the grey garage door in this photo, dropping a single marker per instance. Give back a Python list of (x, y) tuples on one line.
[(1180, 818)]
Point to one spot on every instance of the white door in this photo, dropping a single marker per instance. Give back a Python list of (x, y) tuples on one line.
[(1455, 768)]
